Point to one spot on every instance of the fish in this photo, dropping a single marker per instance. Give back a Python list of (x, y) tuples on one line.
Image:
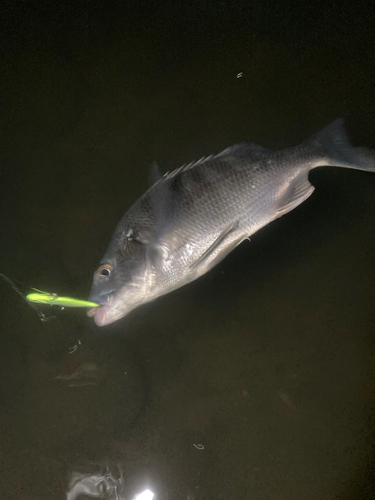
[(188, 220)]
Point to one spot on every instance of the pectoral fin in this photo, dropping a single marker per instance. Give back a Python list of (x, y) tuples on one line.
[(298, 191), (220, 248)]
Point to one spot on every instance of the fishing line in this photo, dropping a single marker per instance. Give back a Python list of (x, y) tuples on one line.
[(41, 315)]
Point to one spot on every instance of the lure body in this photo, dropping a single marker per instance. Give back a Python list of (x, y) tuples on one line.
[(40, 297)]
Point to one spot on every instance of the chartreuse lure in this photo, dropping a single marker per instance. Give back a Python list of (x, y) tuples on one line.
[(40, 297)]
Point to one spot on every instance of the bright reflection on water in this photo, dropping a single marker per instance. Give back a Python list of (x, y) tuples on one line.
[(145, 495)]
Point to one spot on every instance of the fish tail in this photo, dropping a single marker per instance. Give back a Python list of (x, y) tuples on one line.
[(334, 149)]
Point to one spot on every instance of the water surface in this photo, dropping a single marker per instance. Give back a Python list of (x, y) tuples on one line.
[(256, 381)]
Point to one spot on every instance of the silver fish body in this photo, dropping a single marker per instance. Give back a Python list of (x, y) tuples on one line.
[(190, 219)]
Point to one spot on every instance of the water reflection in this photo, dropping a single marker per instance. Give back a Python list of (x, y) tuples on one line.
[(107, 485)]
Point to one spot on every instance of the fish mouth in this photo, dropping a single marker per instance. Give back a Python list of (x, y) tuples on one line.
[(91, 312), (112, 303), (99, 313)]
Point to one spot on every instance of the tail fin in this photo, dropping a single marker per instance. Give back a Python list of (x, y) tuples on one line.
[(333, 146)]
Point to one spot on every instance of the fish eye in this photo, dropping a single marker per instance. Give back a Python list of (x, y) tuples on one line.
[(104, 270)]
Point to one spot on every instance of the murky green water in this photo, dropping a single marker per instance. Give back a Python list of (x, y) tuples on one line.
[(255, 382)]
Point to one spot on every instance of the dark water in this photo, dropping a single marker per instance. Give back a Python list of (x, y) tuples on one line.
[(255, 382)]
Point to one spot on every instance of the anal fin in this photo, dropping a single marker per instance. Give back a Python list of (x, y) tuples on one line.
[(297, 192)]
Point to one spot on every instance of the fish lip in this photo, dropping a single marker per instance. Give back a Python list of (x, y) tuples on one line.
[(104, 300), (100, 315), (91, 312)]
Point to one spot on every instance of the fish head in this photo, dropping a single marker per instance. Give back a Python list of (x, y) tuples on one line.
[(120, 283)]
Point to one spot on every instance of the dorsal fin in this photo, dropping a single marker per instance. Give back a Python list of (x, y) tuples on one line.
[(248, 150), (188, 166), (243, 150)]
